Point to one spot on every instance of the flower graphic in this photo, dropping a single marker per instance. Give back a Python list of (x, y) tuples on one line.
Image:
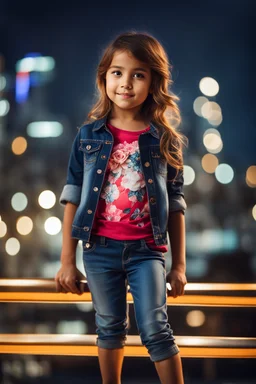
[(112, 213), (133, 180), (110, 193)]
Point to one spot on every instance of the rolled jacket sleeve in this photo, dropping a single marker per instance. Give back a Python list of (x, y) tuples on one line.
[(73, 188), (175, 190)]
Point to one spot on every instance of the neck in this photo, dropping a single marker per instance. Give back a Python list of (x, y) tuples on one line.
[(125, 115)]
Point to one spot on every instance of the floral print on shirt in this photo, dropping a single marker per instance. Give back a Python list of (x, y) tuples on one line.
[(124, 191)]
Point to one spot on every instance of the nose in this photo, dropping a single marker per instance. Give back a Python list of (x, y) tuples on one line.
[(126, 83)]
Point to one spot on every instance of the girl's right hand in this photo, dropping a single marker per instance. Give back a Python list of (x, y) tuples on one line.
[(67, 279)]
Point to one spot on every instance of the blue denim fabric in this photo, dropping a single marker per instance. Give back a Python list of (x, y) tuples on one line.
[(110, 266), (87, 166)]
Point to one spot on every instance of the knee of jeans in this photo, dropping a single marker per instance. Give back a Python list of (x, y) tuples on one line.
[(155, 332), (111, 325)]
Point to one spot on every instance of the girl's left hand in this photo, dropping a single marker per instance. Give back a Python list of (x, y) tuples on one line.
[(177, 280)]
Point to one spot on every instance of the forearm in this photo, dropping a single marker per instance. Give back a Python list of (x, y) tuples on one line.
[(68, 253), (177, 235)]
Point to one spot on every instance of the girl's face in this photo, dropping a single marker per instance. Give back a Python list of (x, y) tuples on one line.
[(128, 82)]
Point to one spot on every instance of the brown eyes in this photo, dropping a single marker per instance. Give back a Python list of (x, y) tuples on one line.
[(138, 75)]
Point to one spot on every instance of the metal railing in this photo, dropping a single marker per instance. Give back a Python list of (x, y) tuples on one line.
[(196, 294)]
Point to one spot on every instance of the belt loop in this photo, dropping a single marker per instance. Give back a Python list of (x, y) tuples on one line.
[(102, 240), (142, 242)]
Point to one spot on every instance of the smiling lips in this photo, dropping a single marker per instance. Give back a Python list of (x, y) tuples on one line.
[(125, 95)]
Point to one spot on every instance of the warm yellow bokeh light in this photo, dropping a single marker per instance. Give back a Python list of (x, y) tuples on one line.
[(47, 199), (211, 110), (213, 142), (19, 145), (3, 228), (24, 225), (216, 121), (52, 226), (254, 212), (209, 163), (12, 246), (251, 176), (195, 318)]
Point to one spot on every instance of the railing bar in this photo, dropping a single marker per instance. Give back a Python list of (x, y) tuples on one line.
[(132, 340), (186, 300), (129, 351), (50, 284)]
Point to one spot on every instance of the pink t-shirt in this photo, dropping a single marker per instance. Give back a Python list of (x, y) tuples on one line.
[(123, 210)]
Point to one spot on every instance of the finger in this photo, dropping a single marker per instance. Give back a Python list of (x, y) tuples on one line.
[(64, 287), (174, 291), (58, 286), (72, 287), (80, 287)]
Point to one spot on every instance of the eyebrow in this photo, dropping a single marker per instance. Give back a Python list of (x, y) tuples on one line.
[(134, 69)]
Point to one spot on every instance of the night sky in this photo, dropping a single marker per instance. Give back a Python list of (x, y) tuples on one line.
[(202, 38)]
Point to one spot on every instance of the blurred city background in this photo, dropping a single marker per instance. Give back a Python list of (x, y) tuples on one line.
[(48, 57)]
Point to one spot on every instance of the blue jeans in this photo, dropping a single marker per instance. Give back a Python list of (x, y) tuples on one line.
[(112, 265)]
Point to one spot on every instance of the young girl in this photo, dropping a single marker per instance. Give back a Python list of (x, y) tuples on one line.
[(124, 192)]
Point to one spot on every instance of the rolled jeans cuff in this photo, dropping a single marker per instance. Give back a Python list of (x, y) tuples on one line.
[(166, 354), (110, 344)]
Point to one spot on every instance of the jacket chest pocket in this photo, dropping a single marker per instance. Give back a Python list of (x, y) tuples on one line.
[(91, 150), (159, 162)]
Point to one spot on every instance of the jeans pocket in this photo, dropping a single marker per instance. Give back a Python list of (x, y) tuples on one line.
[(88, 247)]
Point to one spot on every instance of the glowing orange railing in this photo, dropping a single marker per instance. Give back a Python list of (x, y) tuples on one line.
[(196, 294)]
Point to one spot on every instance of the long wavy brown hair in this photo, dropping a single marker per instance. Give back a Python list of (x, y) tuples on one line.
[(160, 107)]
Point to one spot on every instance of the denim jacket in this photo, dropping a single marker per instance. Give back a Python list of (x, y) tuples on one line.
[(87, 166)]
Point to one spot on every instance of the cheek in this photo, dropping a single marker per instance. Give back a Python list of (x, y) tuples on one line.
[(110, 85)]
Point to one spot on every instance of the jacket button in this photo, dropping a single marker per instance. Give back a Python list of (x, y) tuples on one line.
[(87, 245), (86, 229), (99, 171), (89, 211), (147, 164), (88, 147), (95, 189), (150, 181), (103, 157), (152, 200)]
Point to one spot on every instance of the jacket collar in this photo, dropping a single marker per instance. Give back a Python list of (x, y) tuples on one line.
[(102, 122)]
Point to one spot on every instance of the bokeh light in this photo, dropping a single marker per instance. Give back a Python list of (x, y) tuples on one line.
[(4, 107), (189, 175), (254, 212), (195, 318), (211, 110), (19, 201), (40, 64), (3, 228), (44, 129), (198, 104), (213, 142), (2, 82), (251, 176), (19, 145), (52, 226), (209, 86), (47, 199), (209, 163), (12, 246), (24, 225), (224, 173)]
